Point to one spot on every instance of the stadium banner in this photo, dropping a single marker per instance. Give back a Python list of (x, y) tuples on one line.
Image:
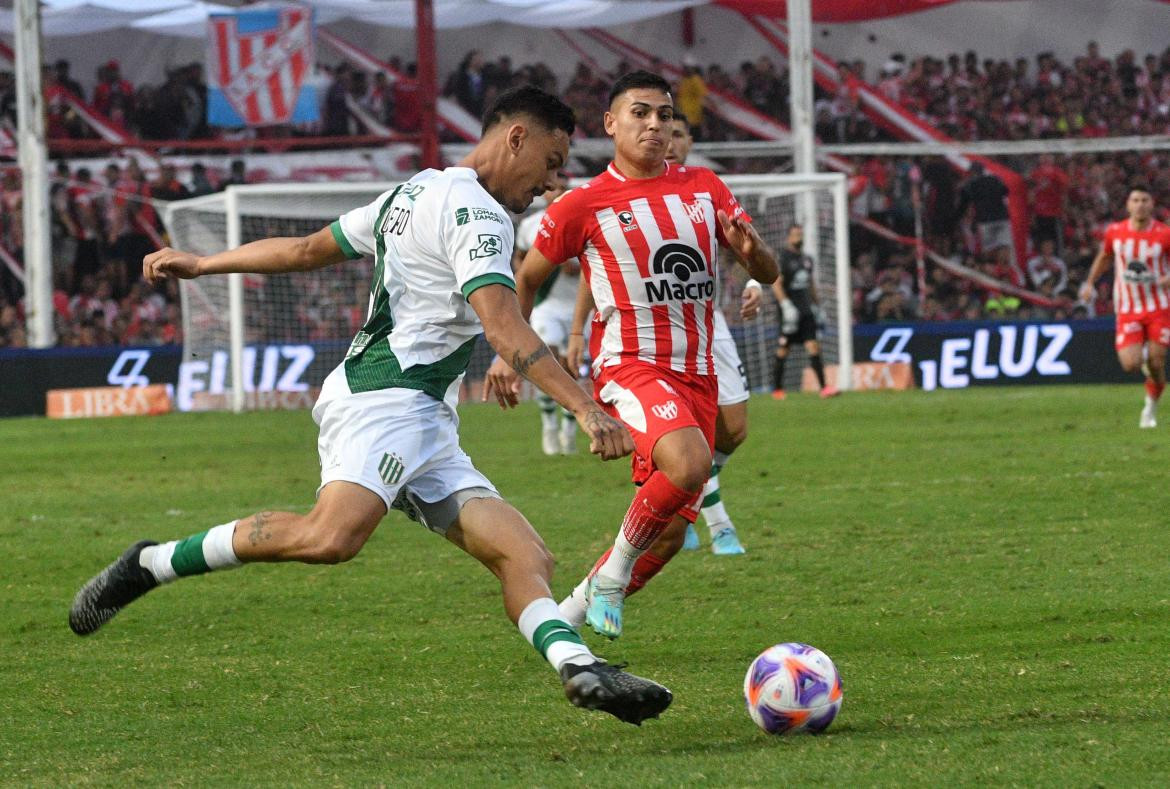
[(959, 354), (930, 356), (275, 376), (257, 64), (102, 401), (867, 376)]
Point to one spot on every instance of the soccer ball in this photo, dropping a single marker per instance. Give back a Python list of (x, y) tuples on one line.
[(791, 688)]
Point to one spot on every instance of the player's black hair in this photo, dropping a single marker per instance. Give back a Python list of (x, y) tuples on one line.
[(638, 79), (549, 111), (679, 115), (1140, 186)]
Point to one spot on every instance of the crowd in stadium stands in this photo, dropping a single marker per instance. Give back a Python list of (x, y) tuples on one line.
[(103, 224), (100, 230), (1071, 197)]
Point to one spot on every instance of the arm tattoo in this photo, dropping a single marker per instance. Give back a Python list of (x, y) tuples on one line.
[(260, 531), (595, 421), (521, 363)]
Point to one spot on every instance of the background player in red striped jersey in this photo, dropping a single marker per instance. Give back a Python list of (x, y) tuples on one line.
[(730, 424), (1138, 247), (647, 236)]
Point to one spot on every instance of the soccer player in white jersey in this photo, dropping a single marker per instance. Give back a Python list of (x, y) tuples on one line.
[(647, 235), (388, 426), (1139, 249), (551, 319), (731, 421)]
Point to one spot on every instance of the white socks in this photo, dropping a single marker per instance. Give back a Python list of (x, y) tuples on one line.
[(619, 565), (200, 553), (542, 625)]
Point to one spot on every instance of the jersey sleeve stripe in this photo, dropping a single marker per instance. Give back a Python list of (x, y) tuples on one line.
[(493, 278), (343, 242)]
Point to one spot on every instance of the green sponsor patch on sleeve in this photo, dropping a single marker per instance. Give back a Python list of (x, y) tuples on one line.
[(473, 214), (489, 245)]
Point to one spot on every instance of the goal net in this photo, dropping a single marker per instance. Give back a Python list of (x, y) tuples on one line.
[(269, 341), (818, 203)]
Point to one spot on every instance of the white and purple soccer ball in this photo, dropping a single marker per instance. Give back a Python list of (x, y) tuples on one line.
[(791, 688)]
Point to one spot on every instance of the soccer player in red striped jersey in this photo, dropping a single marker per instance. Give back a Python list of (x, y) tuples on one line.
[(1138, 248), (646, 233)]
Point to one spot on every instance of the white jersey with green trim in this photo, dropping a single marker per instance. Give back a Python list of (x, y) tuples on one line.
[(435, 239)]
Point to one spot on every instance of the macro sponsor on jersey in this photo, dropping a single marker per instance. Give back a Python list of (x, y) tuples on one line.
[(1138, 273), (473, 214), (678, 273), (489, 246)]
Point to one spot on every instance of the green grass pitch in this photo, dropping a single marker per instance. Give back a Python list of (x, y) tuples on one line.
[(989, 569)]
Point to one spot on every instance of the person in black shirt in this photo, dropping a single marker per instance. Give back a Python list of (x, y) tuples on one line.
[(988, 195), (800, 312), (61, 69)]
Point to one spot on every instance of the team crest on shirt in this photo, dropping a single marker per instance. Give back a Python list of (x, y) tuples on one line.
[(626, 218), (489, 246), (665, 411), (696, 213)]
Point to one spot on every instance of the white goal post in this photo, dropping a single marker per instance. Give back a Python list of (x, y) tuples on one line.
[(242, 333)]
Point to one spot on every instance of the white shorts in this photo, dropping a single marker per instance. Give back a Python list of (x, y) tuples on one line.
[(551, 320), (733, 382), (395, 442)]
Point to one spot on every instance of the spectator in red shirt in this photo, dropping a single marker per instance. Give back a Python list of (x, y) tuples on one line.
[(407, 107), (1049, 189), (113, 96)]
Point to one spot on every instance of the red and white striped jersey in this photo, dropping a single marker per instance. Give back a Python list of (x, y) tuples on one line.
[(1139, 261), (648, 249)]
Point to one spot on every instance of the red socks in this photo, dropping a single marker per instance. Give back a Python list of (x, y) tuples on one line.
[(645, 568), (652, 509), (1154, 389)]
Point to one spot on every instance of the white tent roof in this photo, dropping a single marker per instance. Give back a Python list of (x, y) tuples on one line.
[(188, 18)]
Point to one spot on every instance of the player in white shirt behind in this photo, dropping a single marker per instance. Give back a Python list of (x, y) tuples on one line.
[(441, 245), (551, 319), (731, 423)]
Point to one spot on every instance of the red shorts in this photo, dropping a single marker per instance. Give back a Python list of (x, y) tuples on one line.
[(1135, 328), (651, 402)]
